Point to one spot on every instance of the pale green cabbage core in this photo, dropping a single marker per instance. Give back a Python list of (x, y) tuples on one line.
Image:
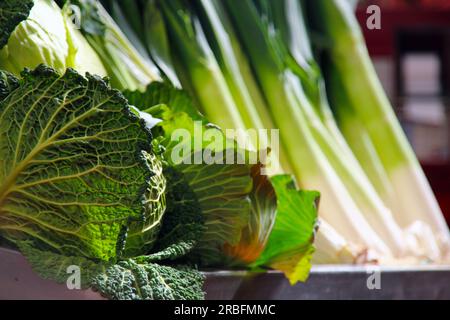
[(48, 37)]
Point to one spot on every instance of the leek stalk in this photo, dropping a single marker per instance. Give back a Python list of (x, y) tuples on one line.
[(354, 76)]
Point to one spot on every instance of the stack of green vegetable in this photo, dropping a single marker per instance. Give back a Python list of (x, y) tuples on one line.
[(302, 66), (118, 172), (88, 175)]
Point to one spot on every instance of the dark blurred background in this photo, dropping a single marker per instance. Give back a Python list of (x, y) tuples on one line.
[(411, 53)]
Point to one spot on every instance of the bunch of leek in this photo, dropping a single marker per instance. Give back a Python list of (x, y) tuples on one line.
[(310, 146), (371, 128)]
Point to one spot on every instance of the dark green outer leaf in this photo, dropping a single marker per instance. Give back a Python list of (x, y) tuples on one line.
[(129, 280), (56, 267), (12, 13), (8, 83)]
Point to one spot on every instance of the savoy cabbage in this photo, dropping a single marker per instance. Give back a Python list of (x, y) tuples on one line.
[(80, 184), (247, 215)]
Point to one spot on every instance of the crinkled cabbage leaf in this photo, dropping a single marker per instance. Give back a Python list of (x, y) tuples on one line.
[(76, 167)]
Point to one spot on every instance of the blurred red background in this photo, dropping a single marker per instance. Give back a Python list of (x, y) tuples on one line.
[(440, 4)]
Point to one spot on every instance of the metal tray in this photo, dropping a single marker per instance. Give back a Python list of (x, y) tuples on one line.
[(18, 281)]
